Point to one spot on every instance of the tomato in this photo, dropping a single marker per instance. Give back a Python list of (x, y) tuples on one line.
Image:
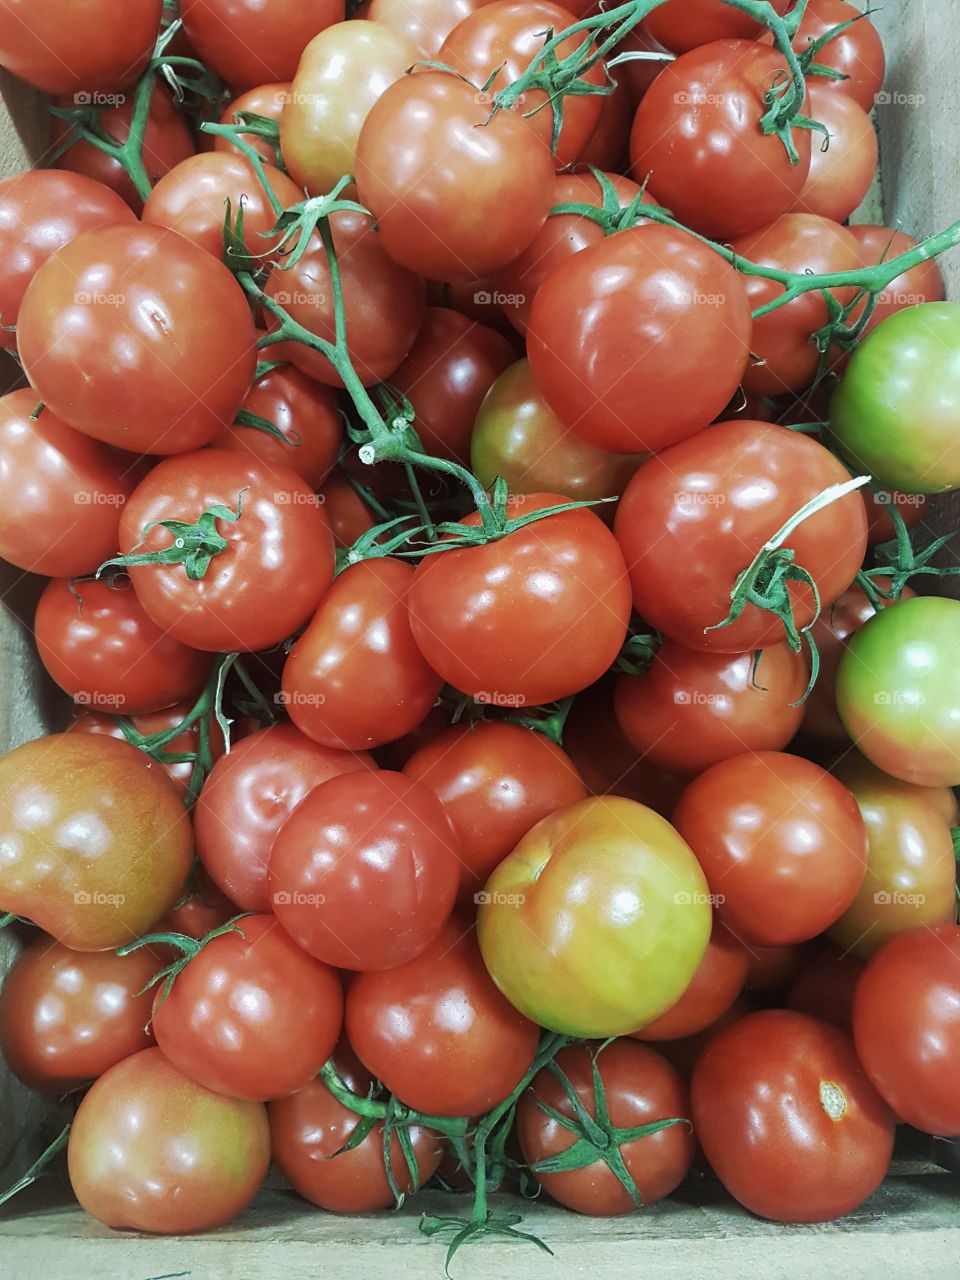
[(41, 211), (364, 873), (640, 1087), (697, 134), (87, 48), (682, 25), (384, 304), (496, 781), (161, 387), (60, 492), (895, 412), (267, 100), (783, 354), (68, 1016), (922, 283), (204, 910), (437, 1032), (348, 514), (453, 201), (309, 1130), (192, 199), (495, 45), (251, 42), (597, 922), (519, 437), (307, 415), (774, 968), (906, 1026), (427, 23), (273, 572), (856, 53), (788, 1119), (825, 986), (167, 142), (691, 709), (715, 986), (355, 678), (529, 618), (94, 842), (342, 73), (449, 370), (248, 797), (843, 165), (898, 691), (692, 519), (150, 1150), (640, 340), (607, 148), (102, 649)]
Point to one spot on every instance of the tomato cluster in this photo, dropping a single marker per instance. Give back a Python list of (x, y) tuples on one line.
[(477, 480)]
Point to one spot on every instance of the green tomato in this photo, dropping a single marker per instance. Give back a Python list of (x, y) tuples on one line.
[(896, 413), (898, 691), (597, 922)]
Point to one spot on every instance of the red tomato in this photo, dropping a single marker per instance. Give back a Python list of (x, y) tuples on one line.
[(708, 505), (781, 842), (697, 134), (195, 916), (788, 1120), (772, 968), (682, 25), (856, 53), (607, 148), (346, 511), (248, 797), (453, 201), (161, 387), (825, 986), (639, 340), (714, 989), (268, 100), (529, 618), (911, 507), (427, 23), (437, 1032), (842, 166), (251, 42), (922, 283)]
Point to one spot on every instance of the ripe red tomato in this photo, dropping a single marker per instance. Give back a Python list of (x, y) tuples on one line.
[(639, 340), (348, 514), (453, 200), (856, 53), (713, 991), (529, 618), (355, 679), (692, 519), (640, 1087), (907, 1028), (787, 1118), (427, 23), (437, 1032), (152, 1151), (825, 986), (781, 842), (691, 709), (922, 283), (268, 100), (682, 25), (697, 135), (204, 910), (364, 873), (607, 148), (496, 781), (843, 166), (68, 1016), (251, 42), (275, 569), (170, 389), (248, 797)]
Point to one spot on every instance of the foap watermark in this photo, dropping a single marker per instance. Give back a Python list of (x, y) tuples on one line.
[(91, 698), (695, 698), (494, 698), (684, 899), (98, 299), (897, 98), (298, 498), (494, 298), (698, 498), (486, 898), (299, 298), (895, 898), (297, 898), (294, 698), (899, 698), (487, 98), (696, 99), (98, 899), (97, 498), (94, 98)]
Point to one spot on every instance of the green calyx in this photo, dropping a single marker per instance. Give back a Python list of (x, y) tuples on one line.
[(194, 545), (188, 947)]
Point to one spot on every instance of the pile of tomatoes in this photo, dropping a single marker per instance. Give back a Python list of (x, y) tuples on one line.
[(473, 477)]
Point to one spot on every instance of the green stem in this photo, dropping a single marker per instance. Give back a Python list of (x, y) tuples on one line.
[(38, 1165)]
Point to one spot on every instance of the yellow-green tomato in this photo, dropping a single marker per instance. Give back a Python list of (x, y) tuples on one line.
[(598, 920)]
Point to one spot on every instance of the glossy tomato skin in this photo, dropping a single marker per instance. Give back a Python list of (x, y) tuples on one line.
[(781, 842), (41, 211), (426, 22), (842, 166), (348, 514), (361, 839), (247, 798), (250, 43), (60, 492), (276, 567), (251, 1015), (269, 100), (857, 53), (898, 691), (150, 1150), (694, 516), (68, 1016), (598, 920), (697, 134), (355, 679), (603, 322), (453, 201), (437, 1032), (713, 991), (787, 1118), (172, 390), (495, 781), (529, 618), (906, 1028), (682, 25), (691, 709), (102, 649), (825, 987), (922, 283), (640, 1088)]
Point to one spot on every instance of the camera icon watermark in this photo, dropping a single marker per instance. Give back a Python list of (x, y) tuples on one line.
[(297, 898), (684, 899), (494, 698), (495, 899), (98, 899)]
